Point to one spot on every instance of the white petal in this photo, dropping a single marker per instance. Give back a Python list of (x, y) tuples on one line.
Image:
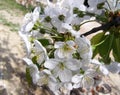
[(28, 61), (40, 59), (71, 43), (26, 41), (77, 85), (29, 26), (36, 13), (104, 70), (82, 42), (59, 53), (84, 47), (114, 67), (27, 17), (68, 86), (94, 61), (51, 63), (35, 78), (87, 82), (73, 64), (59, 44), (65, 75), (77, 78), (46, 72), (54, 86), (40, 48), (33, 69)]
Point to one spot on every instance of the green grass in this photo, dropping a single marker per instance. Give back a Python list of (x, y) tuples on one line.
[(14, 9), (11, 5)]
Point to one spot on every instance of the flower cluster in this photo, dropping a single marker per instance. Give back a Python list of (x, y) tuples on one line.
[(57, 56)]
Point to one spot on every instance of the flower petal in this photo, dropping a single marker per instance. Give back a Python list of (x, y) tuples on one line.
[(51, 63), (104, 70), (77, 78), (73, 64), (59, 44), (65, 75), (28, 61), (87, 81)]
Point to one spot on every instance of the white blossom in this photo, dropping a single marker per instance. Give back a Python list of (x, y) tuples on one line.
[(100, 68), (46, 78), (63, 64), (30, 19), (25, 38), (83, 80), (40, 52), (84, 49), (62, 68), (34, 72), (64, 49)]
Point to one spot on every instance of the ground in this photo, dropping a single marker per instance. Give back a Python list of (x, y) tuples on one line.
[(12, 67)]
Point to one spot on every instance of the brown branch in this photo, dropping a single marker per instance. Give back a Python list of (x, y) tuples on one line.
[(114, 22)]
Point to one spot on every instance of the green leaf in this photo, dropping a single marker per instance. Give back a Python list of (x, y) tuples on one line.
[(95, 52), (105, 48), (44, 42), (116, 49), (97, 38), (28, 77), (96, 41)]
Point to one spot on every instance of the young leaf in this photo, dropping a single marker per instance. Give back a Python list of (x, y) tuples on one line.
[(97, 38)]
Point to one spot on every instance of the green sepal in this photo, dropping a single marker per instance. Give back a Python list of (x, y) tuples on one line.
[(100, 5), (44, 42)]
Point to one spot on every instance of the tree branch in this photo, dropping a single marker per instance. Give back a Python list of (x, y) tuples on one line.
[(114, 22)]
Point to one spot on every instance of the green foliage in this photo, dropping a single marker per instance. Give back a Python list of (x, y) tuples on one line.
[(105, 48), (98, 38), (11, 5), (96, 41), (116, 49), (104, 45)]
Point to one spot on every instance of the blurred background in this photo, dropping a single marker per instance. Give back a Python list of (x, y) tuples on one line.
[(12, 68)]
